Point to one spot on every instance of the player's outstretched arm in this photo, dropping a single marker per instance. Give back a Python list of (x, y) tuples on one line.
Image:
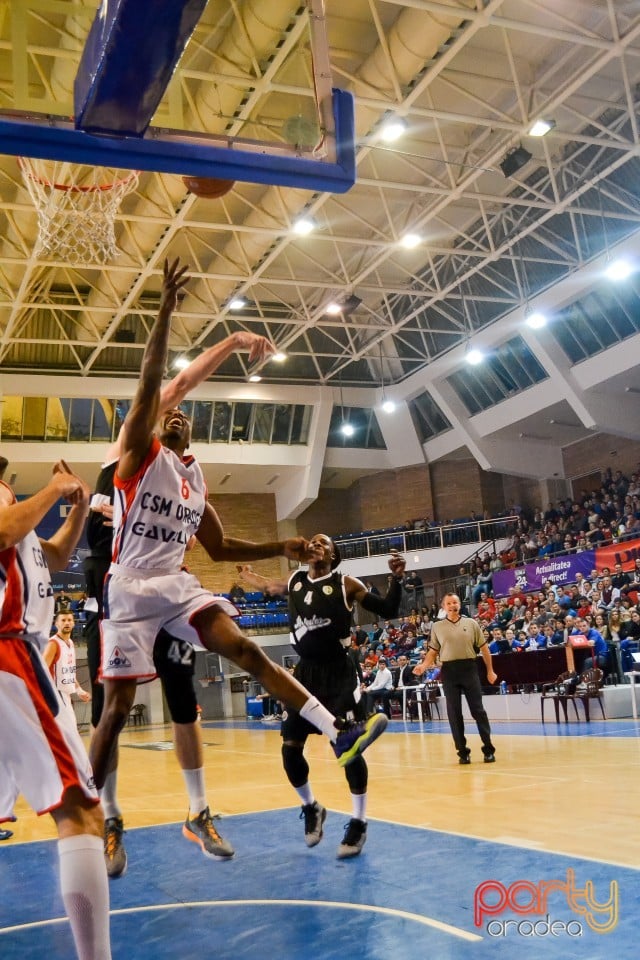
[(268, 586), (60, 546), (138, 427), (220, 547), (207, 363), (386, 606), (19, 519)]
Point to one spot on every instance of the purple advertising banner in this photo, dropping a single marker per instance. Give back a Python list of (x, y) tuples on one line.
[(531, 576)]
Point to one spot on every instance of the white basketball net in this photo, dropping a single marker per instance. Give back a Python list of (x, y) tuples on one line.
[(76, 206)]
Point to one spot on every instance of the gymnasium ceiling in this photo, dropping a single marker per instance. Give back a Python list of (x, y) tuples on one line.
[(468, 77)]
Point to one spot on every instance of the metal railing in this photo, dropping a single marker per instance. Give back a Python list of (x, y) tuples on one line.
[(375, 543)]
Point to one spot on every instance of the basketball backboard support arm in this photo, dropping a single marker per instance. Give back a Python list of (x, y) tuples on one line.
[(166, 151)]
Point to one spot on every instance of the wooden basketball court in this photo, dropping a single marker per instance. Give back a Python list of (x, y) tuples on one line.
[(559, 807)]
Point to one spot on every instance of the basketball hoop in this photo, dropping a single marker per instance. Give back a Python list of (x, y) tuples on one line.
[(76, 207)]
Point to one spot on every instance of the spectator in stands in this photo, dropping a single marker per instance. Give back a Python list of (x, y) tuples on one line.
[(634, 577), (376, 633), (600, 654), (361, 636), (620, 580), (584, 586), (535, 639), (414, 587), (371, 587), (608, 594), (630, 629), (483, 584), (236, 594), (380, 689), (514, 644), (554, 637), (486, 608), (499, 643), (63, 602)]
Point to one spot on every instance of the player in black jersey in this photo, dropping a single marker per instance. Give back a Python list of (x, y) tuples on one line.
[(320, 609)]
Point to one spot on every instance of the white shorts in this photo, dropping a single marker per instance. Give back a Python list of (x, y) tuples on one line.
[(41, 751), (138, 607)]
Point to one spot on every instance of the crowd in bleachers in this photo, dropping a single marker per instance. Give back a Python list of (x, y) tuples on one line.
[(604, 607)]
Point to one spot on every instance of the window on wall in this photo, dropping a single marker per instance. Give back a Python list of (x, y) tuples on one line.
[(598, 320), (201, 421), (12, 408), (366, 435), (99, 420), (103, 416), (510, 370), (428, 418)]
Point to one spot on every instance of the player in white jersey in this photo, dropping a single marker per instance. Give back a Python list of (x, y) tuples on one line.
[(60, 657), (41, 753), (174, 659), (161, 501)]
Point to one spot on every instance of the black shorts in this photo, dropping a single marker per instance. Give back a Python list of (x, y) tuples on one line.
[(334, 683), (174, 660)]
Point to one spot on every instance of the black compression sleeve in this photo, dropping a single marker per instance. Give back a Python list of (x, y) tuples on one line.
[(387, 606)]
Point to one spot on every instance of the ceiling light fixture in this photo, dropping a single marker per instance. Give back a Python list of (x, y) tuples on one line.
[(347, 430), (536, 320), (237, 303), (303, 226), (345, 306), (255, 378), (515, 160), (474, 356), (410, 241), (617, 270), (392, 129), (279, 357), (541, 127), (181, 363)]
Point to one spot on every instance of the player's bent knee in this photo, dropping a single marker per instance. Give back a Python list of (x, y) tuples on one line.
[(294, 763)]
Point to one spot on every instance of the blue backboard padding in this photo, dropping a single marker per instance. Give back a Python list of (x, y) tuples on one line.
[(129, 58), (188, 155)]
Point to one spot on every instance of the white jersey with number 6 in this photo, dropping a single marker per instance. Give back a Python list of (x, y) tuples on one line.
[(157, 510)]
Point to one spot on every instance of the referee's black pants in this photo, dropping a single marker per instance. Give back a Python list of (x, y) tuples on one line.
[(458, 677)]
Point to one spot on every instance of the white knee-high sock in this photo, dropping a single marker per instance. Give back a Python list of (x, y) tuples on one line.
[(319, 716), (85, 892), (108, 798), (359, 806), (305, 793), (194, 780)]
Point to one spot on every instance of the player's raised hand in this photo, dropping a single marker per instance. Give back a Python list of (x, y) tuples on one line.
[(69, 486), (297, 548), (174, 278), (259, 347), (397, 564)]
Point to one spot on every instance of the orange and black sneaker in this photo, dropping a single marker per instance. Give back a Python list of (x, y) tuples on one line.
[(202, 831), (115, 855)]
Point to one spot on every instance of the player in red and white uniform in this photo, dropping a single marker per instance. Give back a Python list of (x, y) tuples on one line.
[(60, 657), (160, 502), (41, 753)]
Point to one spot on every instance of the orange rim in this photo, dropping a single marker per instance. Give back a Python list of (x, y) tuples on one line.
[(75, 188)]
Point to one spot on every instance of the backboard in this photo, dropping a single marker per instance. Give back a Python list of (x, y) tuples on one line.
[(265, 113)]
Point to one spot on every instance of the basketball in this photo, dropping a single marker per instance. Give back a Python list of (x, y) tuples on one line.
[(207, 187)]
